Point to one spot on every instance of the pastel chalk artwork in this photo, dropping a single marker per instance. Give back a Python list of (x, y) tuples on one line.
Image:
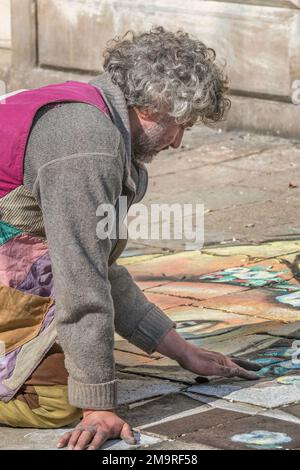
[(275, 361), (279, 352), (261, 439), (266, 361), (258, 276), (234, 310), (254, 276), (289, 380)]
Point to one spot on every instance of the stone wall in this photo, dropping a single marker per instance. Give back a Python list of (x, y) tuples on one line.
[(259, 40)]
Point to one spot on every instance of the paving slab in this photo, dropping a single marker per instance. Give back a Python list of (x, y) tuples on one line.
[(193, 322), (124, 345), (136, 257), (214, 402), (286, 182), (254, 223), (213, 149), (255, 432), (264, 273), (267, 394), (205, 420), (175, 446), (166, 302), (166, 369), (161, 408), (281, 414), (261, 251), (288, 330), (184, 265), (233, 194), (237, 342), (252, 410), (195, 290), (147, 285), (142, 441), (132, 388), (285, 158), (126, 359), (226, 164), (293, 410), (257, 302)]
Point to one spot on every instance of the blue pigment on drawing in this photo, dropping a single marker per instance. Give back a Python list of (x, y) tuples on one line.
[(266, 361), (289, 380), (291, 365), (262, 439), (279, 352)]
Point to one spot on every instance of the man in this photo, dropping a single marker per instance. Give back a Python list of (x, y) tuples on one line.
[(67, 149)]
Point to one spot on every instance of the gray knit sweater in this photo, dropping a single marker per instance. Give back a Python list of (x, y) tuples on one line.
[(76, 159)]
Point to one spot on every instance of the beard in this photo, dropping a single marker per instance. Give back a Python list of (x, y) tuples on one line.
[(145, 145)]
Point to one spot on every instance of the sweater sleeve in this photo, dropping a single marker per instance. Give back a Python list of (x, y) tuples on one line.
[(69, 191), (136, 318)]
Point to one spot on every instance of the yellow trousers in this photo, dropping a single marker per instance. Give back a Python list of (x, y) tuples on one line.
[(42, 402)]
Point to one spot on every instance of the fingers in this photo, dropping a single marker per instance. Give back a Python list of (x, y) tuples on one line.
[(246, 374), (99, 439), (78, 439), (74, 438), (63, 441), (84, 439), (237, 372), (92, 437), (127, 434), (245, 364)]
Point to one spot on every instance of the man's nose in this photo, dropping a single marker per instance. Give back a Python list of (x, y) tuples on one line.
[(178, 139)]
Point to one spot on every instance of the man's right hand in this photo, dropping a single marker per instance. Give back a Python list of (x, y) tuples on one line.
[(95, 429)]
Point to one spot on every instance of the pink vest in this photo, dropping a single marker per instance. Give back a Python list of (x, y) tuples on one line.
[(16, 117)]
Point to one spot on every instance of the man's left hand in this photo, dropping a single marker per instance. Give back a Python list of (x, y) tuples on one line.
[(203, 362)]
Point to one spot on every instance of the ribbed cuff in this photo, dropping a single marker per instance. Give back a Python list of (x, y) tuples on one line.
[(92, 396), (151, 330)]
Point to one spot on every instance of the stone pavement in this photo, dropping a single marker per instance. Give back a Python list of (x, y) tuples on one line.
[(249, 185), (241, 301), (239, 295)]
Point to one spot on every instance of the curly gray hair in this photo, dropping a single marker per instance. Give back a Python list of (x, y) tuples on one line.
[(162, 70)]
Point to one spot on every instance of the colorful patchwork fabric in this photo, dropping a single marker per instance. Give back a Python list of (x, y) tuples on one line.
[(20, 208), (16, 257), (26, 309), (26, 306), (27, 327), (7, 232), (18, 365), (21, 316)]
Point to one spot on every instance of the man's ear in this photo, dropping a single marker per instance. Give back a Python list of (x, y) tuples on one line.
[(146, 114)]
